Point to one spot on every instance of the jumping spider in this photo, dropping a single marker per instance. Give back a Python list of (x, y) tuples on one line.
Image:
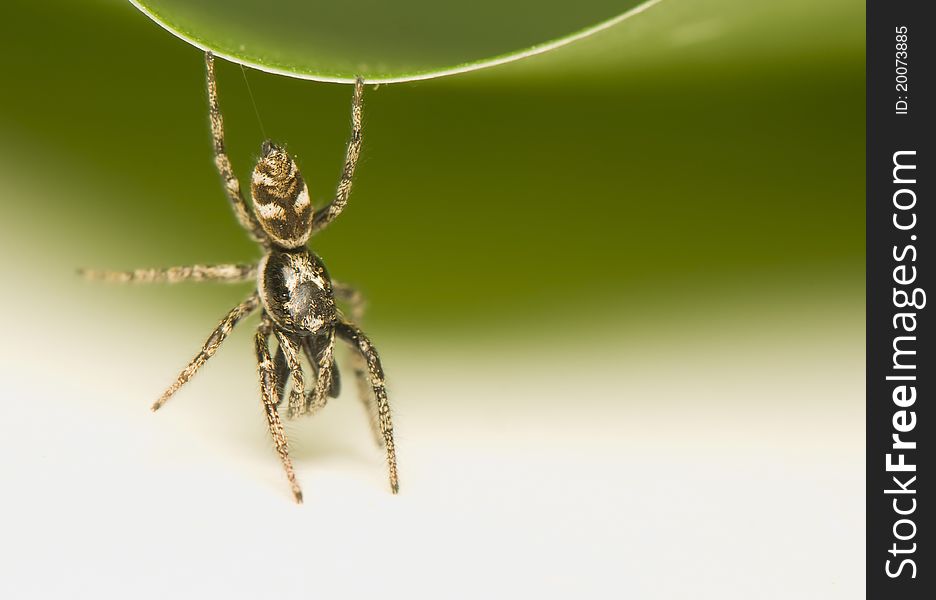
[(295, 294)]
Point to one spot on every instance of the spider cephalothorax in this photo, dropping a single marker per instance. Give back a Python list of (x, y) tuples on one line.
[(294, 292)]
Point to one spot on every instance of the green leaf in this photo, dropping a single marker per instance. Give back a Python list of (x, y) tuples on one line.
[(385, 41)]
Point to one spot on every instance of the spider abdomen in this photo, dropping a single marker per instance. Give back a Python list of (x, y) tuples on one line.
[(281, 198), (296, 291)]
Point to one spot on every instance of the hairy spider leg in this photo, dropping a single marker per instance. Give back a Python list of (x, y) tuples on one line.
[(211, 346), (357, 304), (351, 295), (290, 352), (223, 163), (312, 351), (327, 214), (313, 347), (281, 366), (325, 377), (268, 387), (356, 338), (195, 273)]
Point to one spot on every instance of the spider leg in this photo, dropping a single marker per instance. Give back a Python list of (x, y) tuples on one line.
[(290, 352), (312, 346), (198, 273), (223, 163), (323, 383), (327, 214), (268, 386), (211, 346), (356, 338), (356, 303), (311, 350), (281, 366), (354, 298)]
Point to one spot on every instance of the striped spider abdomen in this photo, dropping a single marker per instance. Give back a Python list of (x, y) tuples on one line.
[(281, 198)]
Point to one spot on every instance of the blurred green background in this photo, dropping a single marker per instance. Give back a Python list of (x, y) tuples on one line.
[(698, 150)]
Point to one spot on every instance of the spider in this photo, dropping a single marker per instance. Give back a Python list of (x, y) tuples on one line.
[(294, 293)]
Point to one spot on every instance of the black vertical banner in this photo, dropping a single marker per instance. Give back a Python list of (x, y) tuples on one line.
[(900, 370)]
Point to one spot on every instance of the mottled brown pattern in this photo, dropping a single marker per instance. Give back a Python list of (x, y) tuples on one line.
[(281, 198)]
